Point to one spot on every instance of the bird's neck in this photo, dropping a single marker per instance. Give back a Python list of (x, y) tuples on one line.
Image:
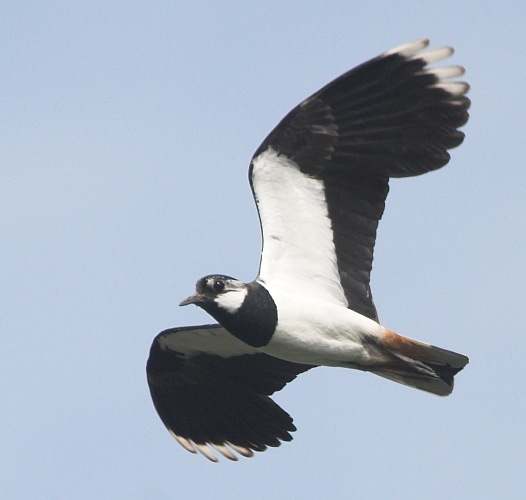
[(255, 321)]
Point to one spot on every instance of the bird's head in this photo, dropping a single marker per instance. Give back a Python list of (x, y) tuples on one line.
[(246, 310), (217, 292)]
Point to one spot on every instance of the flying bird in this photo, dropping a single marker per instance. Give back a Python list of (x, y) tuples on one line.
[(319, 180)]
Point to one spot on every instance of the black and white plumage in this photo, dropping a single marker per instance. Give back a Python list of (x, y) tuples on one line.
[(320, 180)]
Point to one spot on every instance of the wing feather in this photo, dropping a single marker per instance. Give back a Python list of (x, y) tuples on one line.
[(391, 116)]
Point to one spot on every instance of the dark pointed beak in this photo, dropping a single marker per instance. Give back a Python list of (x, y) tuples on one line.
[(195, 298)]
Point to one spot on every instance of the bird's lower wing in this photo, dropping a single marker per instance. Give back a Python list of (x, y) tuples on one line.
[(212, 391)]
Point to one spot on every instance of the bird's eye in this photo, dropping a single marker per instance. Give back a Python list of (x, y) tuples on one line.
[(218, 286)]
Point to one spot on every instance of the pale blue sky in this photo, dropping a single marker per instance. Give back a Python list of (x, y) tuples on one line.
[(127, 128)]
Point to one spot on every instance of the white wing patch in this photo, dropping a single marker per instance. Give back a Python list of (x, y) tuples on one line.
[(198, 340), (298, 247)]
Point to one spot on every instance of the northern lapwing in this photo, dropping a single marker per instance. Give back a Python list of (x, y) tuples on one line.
[(320, 180)]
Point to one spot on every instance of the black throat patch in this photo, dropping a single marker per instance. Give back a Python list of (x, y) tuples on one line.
[(254, 322)]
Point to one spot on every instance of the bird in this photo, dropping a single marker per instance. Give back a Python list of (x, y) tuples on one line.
[(319, 180)]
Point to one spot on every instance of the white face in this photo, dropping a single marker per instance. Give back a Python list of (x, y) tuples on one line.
[(232, 296)]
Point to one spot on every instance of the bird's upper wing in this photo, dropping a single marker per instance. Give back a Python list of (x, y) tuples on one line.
[(320, 178), (209, 388)]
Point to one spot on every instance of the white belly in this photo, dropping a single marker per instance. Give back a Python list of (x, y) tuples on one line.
[(321, 332)]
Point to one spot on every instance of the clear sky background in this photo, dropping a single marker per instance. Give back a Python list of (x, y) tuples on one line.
[(126, 132)]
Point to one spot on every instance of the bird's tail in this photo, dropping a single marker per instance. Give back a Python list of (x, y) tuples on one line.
[(419, 365)]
